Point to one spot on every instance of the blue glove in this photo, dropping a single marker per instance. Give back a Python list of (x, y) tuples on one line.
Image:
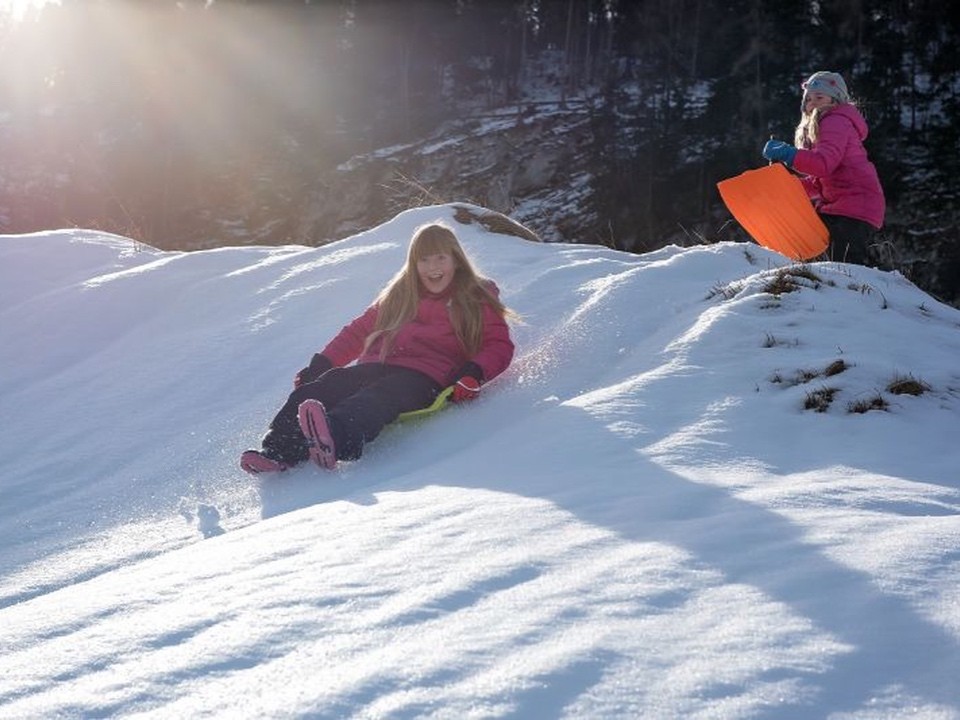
[(779, 151)]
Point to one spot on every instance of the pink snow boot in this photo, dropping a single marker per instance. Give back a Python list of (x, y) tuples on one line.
[(313, 424), (255, 462)]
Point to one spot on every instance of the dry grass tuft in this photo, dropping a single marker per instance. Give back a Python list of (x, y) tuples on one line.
[(727, 291), (819, 400), (907, 386), (835, 368), (806, 375), (872, 403), (789, 279)]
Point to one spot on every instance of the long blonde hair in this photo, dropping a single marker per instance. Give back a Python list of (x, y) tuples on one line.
[(397, 302), (808, 129)]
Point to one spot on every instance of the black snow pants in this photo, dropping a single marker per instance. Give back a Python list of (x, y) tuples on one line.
[(360, 400), (849, 239)]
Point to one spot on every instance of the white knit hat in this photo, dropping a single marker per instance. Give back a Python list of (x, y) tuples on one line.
[(828, 83)]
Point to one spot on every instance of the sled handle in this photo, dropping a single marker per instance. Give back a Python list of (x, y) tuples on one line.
[(436, 405)]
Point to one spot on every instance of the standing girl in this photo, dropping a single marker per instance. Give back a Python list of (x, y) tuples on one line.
[(436, 324), (828, 151)]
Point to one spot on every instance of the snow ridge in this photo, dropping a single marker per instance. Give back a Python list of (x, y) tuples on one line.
[(641, 518)]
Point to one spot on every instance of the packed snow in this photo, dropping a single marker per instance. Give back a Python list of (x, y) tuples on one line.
[(642, 518)]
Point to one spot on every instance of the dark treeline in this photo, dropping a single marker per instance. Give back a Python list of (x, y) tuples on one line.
[(159, 119)]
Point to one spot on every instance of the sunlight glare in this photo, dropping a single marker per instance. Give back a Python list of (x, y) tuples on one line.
[(19, 9)]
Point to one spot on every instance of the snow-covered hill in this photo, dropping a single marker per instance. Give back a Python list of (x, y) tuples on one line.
[(640, 519)]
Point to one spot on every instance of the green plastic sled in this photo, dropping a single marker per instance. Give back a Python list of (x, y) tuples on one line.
[(437, 405)]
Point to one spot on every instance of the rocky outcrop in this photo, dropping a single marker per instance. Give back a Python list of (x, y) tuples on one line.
[(519, 164)]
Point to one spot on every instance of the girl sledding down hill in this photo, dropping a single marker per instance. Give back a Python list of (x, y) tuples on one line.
[(436, 324), (828, 152)]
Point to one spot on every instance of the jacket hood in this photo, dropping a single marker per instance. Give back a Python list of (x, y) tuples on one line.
[(853, 115)]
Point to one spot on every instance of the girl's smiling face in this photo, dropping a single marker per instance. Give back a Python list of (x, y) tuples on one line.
[(436, 271), (816, 100)]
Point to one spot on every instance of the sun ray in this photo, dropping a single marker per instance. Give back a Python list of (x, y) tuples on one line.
[(18, 10)]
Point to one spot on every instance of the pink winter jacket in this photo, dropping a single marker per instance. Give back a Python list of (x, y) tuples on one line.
[(427, 343), (839, 178)]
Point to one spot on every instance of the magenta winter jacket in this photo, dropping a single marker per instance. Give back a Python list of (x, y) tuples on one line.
[(427, 343), (840, 179)]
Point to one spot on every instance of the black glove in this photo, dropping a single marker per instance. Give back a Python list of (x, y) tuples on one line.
[(319, 364)]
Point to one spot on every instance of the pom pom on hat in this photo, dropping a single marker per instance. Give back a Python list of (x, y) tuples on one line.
[(828, 83)]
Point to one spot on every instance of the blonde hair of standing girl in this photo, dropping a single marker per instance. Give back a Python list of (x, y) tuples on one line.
[(826, 83)]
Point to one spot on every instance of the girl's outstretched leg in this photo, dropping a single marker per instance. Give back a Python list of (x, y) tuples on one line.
[(312, 418), (256, 462), (284, 440), (361, 417)]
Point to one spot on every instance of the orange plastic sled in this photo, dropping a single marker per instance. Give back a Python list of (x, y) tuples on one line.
[(773, 207)]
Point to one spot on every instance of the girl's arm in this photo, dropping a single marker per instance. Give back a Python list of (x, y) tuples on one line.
[(347, 345), (836, 132), (496, 352)]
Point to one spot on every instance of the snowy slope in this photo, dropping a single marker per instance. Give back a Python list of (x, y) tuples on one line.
[(638, 520)]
